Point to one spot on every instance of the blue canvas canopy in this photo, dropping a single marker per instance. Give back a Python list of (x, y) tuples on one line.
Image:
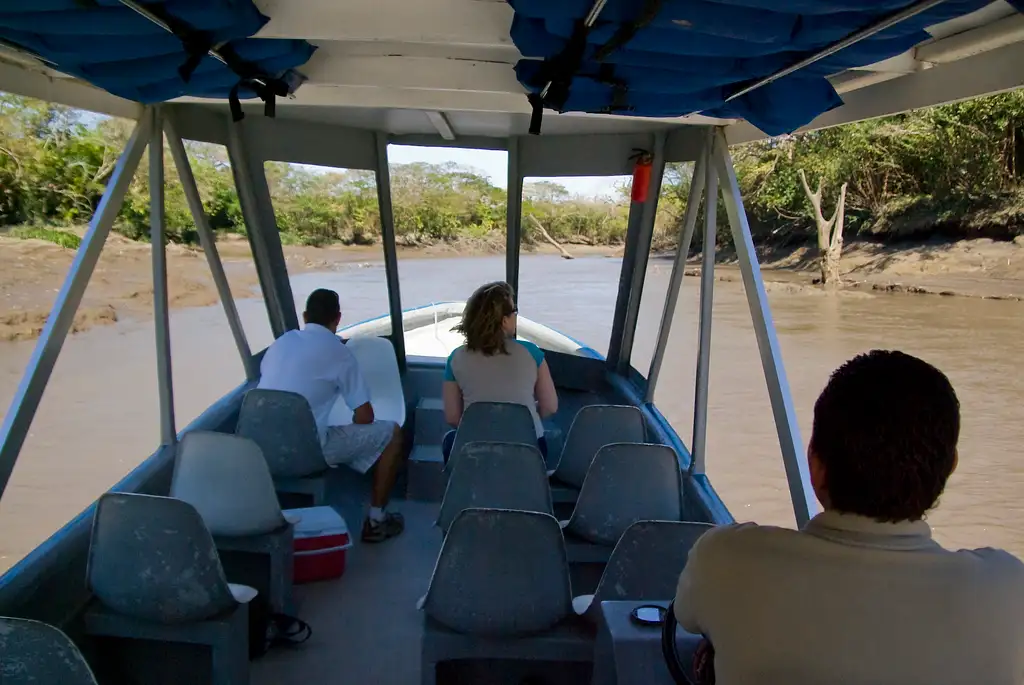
[(125, 53), (669, 58)]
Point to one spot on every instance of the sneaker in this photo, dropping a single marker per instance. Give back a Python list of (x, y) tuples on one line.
[(379, 531)]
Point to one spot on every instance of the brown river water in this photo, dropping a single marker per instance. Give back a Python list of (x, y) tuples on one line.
[(99, 416)]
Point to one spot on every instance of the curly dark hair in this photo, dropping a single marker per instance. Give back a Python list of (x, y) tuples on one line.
[(485, 310), (885, 429)]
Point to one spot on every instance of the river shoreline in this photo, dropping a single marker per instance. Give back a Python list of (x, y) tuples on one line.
[(32, 271)]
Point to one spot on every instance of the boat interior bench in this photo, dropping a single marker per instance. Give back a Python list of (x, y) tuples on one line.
[(569, 641), (160, 594)]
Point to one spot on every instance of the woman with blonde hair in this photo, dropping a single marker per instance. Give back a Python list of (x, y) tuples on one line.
[(493, 366)]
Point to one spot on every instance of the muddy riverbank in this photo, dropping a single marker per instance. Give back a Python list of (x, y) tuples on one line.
[(32, 271)]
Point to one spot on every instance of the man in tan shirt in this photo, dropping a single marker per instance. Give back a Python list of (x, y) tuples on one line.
[(863, 594)]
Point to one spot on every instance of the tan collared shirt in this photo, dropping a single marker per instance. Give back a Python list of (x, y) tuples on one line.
[(851, 601)]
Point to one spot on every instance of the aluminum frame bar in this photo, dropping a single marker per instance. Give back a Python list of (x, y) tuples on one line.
[(842, 43), (158, 250), (18, 418), (793, 457), (698, 445), (208, 241), (634, 225), (387, 228), (648, 217), (261, 229), (675, 280), (513, 216)]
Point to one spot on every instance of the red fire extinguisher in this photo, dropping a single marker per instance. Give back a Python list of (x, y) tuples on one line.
[(642, 164)]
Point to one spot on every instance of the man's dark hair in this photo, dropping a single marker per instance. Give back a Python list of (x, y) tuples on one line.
[(886, 428), (322, 307)]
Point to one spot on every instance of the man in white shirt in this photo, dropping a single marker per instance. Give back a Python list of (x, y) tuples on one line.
[(863, 594), (315, 363)]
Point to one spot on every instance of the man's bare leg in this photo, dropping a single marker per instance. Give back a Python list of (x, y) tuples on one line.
[(386, 471), (381, 525)]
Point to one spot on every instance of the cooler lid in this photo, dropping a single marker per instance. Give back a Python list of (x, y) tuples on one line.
[(318, 522)]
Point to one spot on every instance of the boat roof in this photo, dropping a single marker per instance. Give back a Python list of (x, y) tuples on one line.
[(454, 72)]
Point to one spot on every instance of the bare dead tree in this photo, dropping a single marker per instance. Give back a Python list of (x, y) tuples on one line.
[(830, 232), (547, 236)]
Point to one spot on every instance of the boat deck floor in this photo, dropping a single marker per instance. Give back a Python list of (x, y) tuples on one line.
[(366, 628)]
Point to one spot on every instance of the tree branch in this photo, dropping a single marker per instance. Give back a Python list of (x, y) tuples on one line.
[(815, 198), (836, 241)]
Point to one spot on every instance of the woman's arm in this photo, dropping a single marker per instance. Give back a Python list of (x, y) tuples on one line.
[(544, 391), (452, 395)]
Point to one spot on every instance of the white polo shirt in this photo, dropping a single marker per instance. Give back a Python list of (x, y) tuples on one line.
[(852, 601), (316, 364)]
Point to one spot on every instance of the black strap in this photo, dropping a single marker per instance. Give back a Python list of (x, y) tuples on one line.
[(538, 113), (197, 45), (556, 75), (565, 65), (628, 30), (234, 104), (620, 89), (560, 69)]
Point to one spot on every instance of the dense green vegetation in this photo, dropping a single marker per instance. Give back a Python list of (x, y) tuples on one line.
[(951, 171)]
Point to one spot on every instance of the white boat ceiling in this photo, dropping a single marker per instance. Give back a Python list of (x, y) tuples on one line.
[(440, 72)]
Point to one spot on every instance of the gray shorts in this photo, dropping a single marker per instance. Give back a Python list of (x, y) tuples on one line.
[(357, 445)]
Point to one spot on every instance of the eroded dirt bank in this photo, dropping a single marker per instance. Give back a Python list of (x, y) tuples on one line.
[(32, 271)]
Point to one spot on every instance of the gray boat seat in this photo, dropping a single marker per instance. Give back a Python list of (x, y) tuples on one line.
[(282, 424), (227, 480), (156, 575), (644, 565), (501, 590), (34, 653), (626, 483), (496, 475), (593, 427), (493, 422)]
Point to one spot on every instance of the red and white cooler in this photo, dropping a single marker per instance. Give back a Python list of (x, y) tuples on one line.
[(321, 539)]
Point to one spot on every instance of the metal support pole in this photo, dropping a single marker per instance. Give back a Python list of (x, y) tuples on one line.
[(23, 407), (513, 217), (209, 244), (625, 280), (634, 253), (161, 313), (387, 227), (261, 228), (698, 447), (648, 218), (675, 280), (804, 504)]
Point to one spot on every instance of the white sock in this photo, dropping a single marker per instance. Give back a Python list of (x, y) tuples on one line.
[(377, 514)]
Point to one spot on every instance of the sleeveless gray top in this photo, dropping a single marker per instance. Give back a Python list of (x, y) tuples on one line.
[(498, 378)]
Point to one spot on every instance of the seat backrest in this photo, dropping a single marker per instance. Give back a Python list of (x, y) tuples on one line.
[(282, 424), (500, 573), (494, 422), (496, 475), (153, 558), (593, 428), (379, 366), (227, 480), (627, 483), (646, 563), (33, 653)]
